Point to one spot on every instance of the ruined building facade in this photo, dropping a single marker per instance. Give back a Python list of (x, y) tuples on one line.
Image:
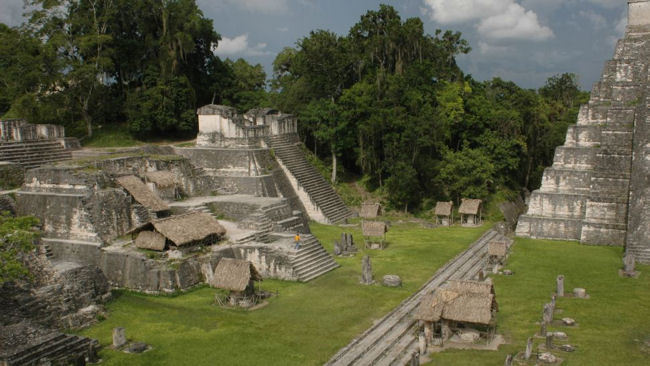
[(597, 190)]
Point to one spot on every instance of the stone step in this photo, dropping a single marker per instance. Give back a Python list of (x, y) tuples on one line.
[(313, 258), (52, 349), (317, 272)]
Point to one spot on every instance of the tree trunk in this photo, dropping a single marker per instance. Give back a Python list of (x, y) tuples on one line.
[(333, 166)]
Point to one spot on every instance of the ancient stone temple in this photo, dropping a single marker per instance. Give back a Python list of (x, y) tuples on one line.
[(258, 153), (597, 190)]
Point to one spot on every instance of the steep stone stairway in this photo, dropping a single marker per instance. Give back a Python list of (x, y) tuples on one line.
[(33, 154), (58, 349), (319, 190), (312, 260)]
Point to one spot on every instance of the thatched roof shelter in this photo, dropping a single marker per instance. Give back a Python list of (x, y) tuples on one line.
[(150, 240), (188, 228), (142, 193), (444, 208), (162, 178), (234, 274), (497, 248), (460, 301), (470, 206), (370, 210), (374, 228)]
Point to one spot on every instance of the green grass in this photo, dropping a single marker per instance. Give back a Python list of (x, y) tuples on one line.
[(612, 324), (111, 136), (305, 325)]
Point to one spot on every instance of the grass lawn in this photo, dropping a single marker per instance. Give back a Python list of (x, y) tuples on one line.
[(305, 325), (612, 325)]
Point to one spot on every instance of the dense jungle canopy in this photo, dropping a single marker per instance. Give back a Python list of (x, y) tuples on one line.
[(386, 102)]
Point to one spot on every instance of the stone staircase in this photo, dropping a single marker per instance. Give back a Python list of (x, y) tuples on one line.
[(585, 194), (319, 190), (57, 349), (312, 260), (33, 154)]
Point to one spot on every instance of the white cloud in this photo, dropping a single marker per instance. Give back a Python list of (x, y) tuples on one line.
[(495, 19), (597, 20), (262, 6), (457, 11), (11, 12), (515, 23), (239, 46), (489, 49)]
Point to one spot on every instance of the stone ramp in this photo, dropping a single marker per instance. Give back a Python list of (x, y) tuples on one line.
[(392, 340), (33, 154), (319, 190)]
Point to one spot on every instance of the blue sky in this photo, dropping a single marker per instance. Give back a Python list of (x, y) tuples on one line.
[(525, 41)]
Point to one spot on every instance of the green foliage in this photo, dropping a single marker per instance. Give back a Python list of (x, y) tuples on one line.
[(465, 174), (247, 89), (111, 136), (165, 108), (17, 236)]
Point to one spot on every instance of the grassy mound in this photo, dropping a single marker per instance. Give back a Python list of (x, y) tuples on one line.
[(304, 325)]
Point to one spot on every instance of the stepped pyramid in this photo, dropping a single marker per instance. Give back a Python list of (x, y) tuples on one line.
[(597, 190)]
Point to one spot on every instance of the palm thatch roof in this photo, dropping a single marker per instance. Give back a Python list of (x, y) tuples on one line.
[(370, 210), (150, 240), (461, 301), (188, 228), (234, 274), (498, 248), (142, 193), (444, 208), (466, 286), (469, 308), (469, 206), (374, 228), (162, 178)]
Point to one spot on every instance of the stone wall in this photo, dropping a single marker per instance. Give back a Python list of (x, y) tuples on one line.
[(18, 130)]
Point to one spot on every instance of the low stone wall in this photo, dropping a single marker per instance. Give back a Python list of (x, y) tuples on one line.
[(270, 261), (132, 269)]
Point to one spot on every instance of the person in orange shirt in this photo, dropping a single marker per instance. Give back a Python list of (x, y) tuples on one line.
[(296, 240)]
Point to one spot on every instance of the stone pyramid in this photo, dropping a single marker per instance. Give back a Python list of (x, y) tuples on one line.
[(597, 190)]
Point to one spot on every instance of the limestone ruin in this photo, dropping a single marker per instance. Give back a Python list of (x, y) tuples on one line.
[(597, 191), (160, 218)]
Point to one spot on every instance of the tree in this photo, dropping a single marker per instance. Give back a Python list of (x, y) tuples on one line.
[(76, 31), (466, 173), (17, 238), (246, 88)]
